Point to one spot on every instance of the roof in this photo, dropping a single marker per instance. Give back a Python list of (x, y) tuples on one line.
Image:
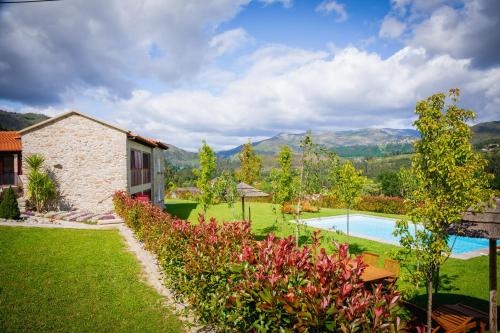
[(245, 190), (485, 224), (10, 141), (140, 139)]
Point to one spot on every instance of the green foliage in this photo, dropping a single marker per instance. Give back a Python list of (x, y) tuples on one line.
[(407, 183), (178, 176), (348, 185), (41, 188), (250, 165), (238, 284), (225, 188), (208, 164), (390, 183), (451, 178), (493, 158), (8, 207), (371, 187), (284, 180)]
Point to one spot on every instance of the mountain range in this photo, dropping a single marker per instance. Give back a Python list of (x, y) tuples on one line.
[(13, 121), (367, 142)]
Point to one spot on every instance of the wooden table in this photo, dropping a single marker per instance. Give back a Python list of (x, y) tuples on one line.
[(374, 273)]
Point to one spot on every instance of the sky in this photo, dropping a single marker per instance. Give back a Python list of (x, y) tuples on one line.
[(226, 71)]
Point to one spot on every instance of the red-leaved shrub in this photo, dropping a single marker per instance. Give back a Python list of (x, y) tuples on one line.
[(239, 284)]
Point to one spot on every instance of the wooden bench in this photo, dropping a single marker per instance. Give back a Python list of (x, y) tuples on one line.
[(456, 318)]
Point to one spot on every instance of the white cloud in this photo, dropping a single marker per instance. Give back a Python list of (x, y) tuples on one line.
[(391, 27), (230, 41), (47, 49), (285, 3), (329, 6), (293, 90), (464, 29)]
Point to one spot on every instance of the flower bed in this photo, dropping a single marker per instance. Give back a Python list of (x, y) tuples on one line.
[(237, 283)]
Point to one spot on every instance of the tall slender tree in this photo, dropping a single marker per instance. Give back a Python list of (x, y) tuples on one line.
[(250, 165), (450, 178), (205, 174), (348, 186)]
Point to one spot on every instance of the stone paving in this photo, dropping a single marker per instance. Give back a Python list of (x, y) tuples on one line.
[(73, 216)]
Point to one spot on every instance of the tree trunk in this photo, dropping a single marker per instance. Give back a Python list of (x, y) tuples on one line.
[(347, 221), (429, 306), (297, 233), (436, 282)]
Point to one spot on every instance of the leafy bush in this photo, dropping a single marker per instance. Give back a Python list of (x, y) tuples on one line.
[(41, 188), (369, 203), (239, 284), (382, 204), (8, 207)]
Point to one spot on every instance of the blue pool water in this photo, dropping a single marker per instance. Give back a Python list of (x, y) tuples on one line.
[(380, 229)]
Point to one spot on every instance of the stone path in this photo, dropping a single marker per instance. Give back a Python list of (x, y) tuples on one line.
[(74, 216)]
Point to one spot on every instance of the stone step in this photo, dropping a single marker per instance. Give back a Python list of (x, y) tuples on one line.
[(110, 221)]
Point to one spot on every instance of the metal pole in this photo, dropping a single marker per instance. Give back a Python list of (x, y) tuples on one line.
[(493, 285)]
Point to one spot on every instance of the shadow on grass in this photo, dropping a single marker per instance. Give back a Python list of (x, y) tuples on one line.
[(181, 209)]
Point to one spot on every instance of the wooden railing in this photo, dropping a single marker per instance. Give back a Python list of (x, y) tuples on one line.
[(140, 176)]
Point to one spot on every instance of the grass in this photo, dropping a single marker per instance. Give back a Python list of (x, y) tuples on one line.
[(463, 281), (57, 280)]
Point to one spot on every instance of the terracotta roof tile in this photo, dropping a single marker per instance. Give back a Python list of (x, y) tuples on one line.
[(148, 141), (10, 141)]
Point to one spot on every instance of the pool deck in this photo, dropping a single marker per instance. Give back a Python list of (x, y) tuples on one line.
[(462, 256)]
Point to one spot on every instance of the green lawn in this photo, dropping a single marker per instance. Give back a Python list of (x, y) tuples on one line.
[(56, 280), (465, 281)]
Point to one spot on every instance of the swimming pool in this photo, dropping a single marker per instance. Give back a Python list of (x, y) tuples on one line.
[(381, 228)]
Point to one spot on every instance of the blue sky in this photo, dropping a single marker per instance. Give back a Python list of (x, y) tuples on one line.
[(229, 70)]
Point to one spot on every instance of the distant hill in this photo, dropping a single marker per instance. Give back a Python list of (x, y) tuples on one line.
[(488, 131), (13, 121), (180, 157), (353, 143)]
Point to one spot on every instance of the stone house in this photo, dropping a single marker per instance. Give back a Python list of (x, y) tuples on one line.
[(90, 160)]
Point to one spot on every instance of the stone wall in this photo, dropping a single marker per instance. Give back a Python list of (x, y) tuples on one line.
[(87, 159)]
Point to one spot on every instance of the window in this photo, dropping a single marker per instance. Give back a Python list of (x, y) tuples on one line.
[(140, 167)]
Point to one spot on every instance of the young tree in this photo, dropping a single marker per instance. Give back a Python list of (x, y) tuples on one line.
[(348, 186), (283, 179), (250, 164), (205, 173), (225, 188), (450, 178), (41, 188), (9, 208)]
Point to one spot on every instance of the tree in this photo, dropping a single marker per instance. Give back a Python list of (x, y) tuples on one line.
[(283, 179), (9, 208), (389, 182), (250, 164), (407, 183), (205, 173), (450, 178), (41, 188), (225, 188), (348, 186)]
